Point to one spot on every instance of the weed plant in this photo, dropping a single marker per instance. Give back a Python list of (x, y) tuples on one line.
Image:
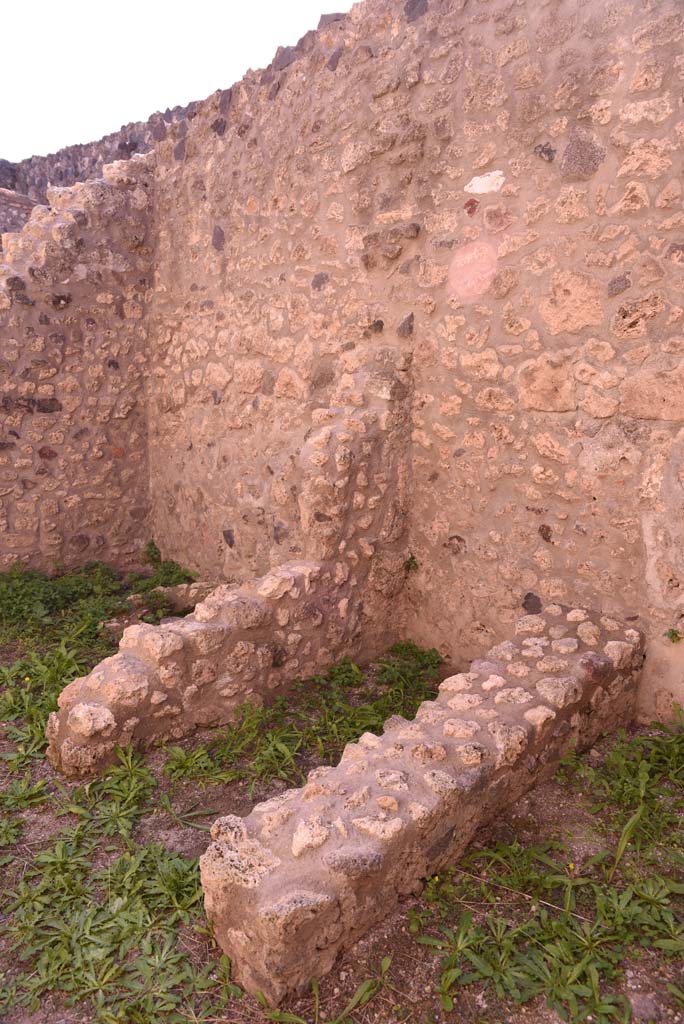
[(91, 915), (528, 922), (313, 724)]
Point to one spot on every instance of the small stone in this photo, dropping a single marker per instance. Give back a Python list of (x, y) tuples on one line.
[(276, 584), (425, 752), (458, 728), (229, 830), (394, 780), (461, 681), (565, 645), (492, 182), (545, 151), (511, 741), (493, 683), (551, 663), (506, 650), (379, 828), (319, 281), (465, 701), (414, 9), (418, 812), (530, 625), (513, 695), (583, 156), (405, 327), (559, 691), (358, 798), (576, 615), (88, 720), (439, 782), (620, 653), (471, 754), (589, 633), (353, 863), (309, 835), (538, 715)]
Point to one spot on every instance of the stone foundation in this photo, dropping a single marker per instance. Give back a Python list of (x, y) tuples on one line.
[(240, 645), (307, 873)]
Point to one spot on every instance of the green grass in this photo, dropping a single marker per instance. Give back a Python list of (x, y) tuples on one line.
[(313, 724), (96, 915), (108, 935), (38, 610), (528, 922), (55, 624)]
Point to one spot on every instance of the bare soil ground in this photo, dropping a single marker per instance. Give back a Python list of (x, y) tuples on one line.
[(552, 811)]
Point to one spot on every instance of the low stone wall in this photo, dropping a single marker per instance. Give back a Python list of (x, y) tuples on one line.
[(307, 873), (240, 645)]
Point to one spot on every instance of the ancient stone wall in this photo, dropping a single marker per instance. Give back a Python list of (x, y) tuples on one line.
[(240, 645), (474, 209), (8, 175), (15, 210), (73, 450), (82, 162), (491, 194), (549, 374)]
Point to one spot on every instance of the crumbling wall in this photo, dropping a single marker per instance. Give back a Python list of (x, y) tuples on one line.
[(73, 448), (478, 208), (239, 646), (550, 370), (85, 161), (492, 192), (243, 643), (265, 335)]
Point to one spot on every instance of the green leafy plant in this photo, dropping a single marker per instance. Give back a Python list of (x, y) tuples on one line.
[(553, 930), (364, 993), (278, 741)]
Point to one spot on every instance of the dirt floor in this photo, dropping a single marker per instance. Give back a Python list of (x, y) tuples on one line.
[(550, 812)]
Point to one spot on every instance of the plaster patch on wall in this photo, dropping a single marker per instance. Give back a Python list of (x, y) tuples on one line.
[(472, 270)]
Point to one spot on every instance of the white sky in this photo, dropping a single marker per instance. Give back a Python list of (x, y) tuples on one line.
[(75, 71)]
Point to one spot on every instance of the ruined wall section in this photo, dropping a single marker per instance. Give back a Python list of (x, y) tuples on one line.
[(267, 339), (549, 375), (73, 444), (308, 872), (85, 161), (493, 196)]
